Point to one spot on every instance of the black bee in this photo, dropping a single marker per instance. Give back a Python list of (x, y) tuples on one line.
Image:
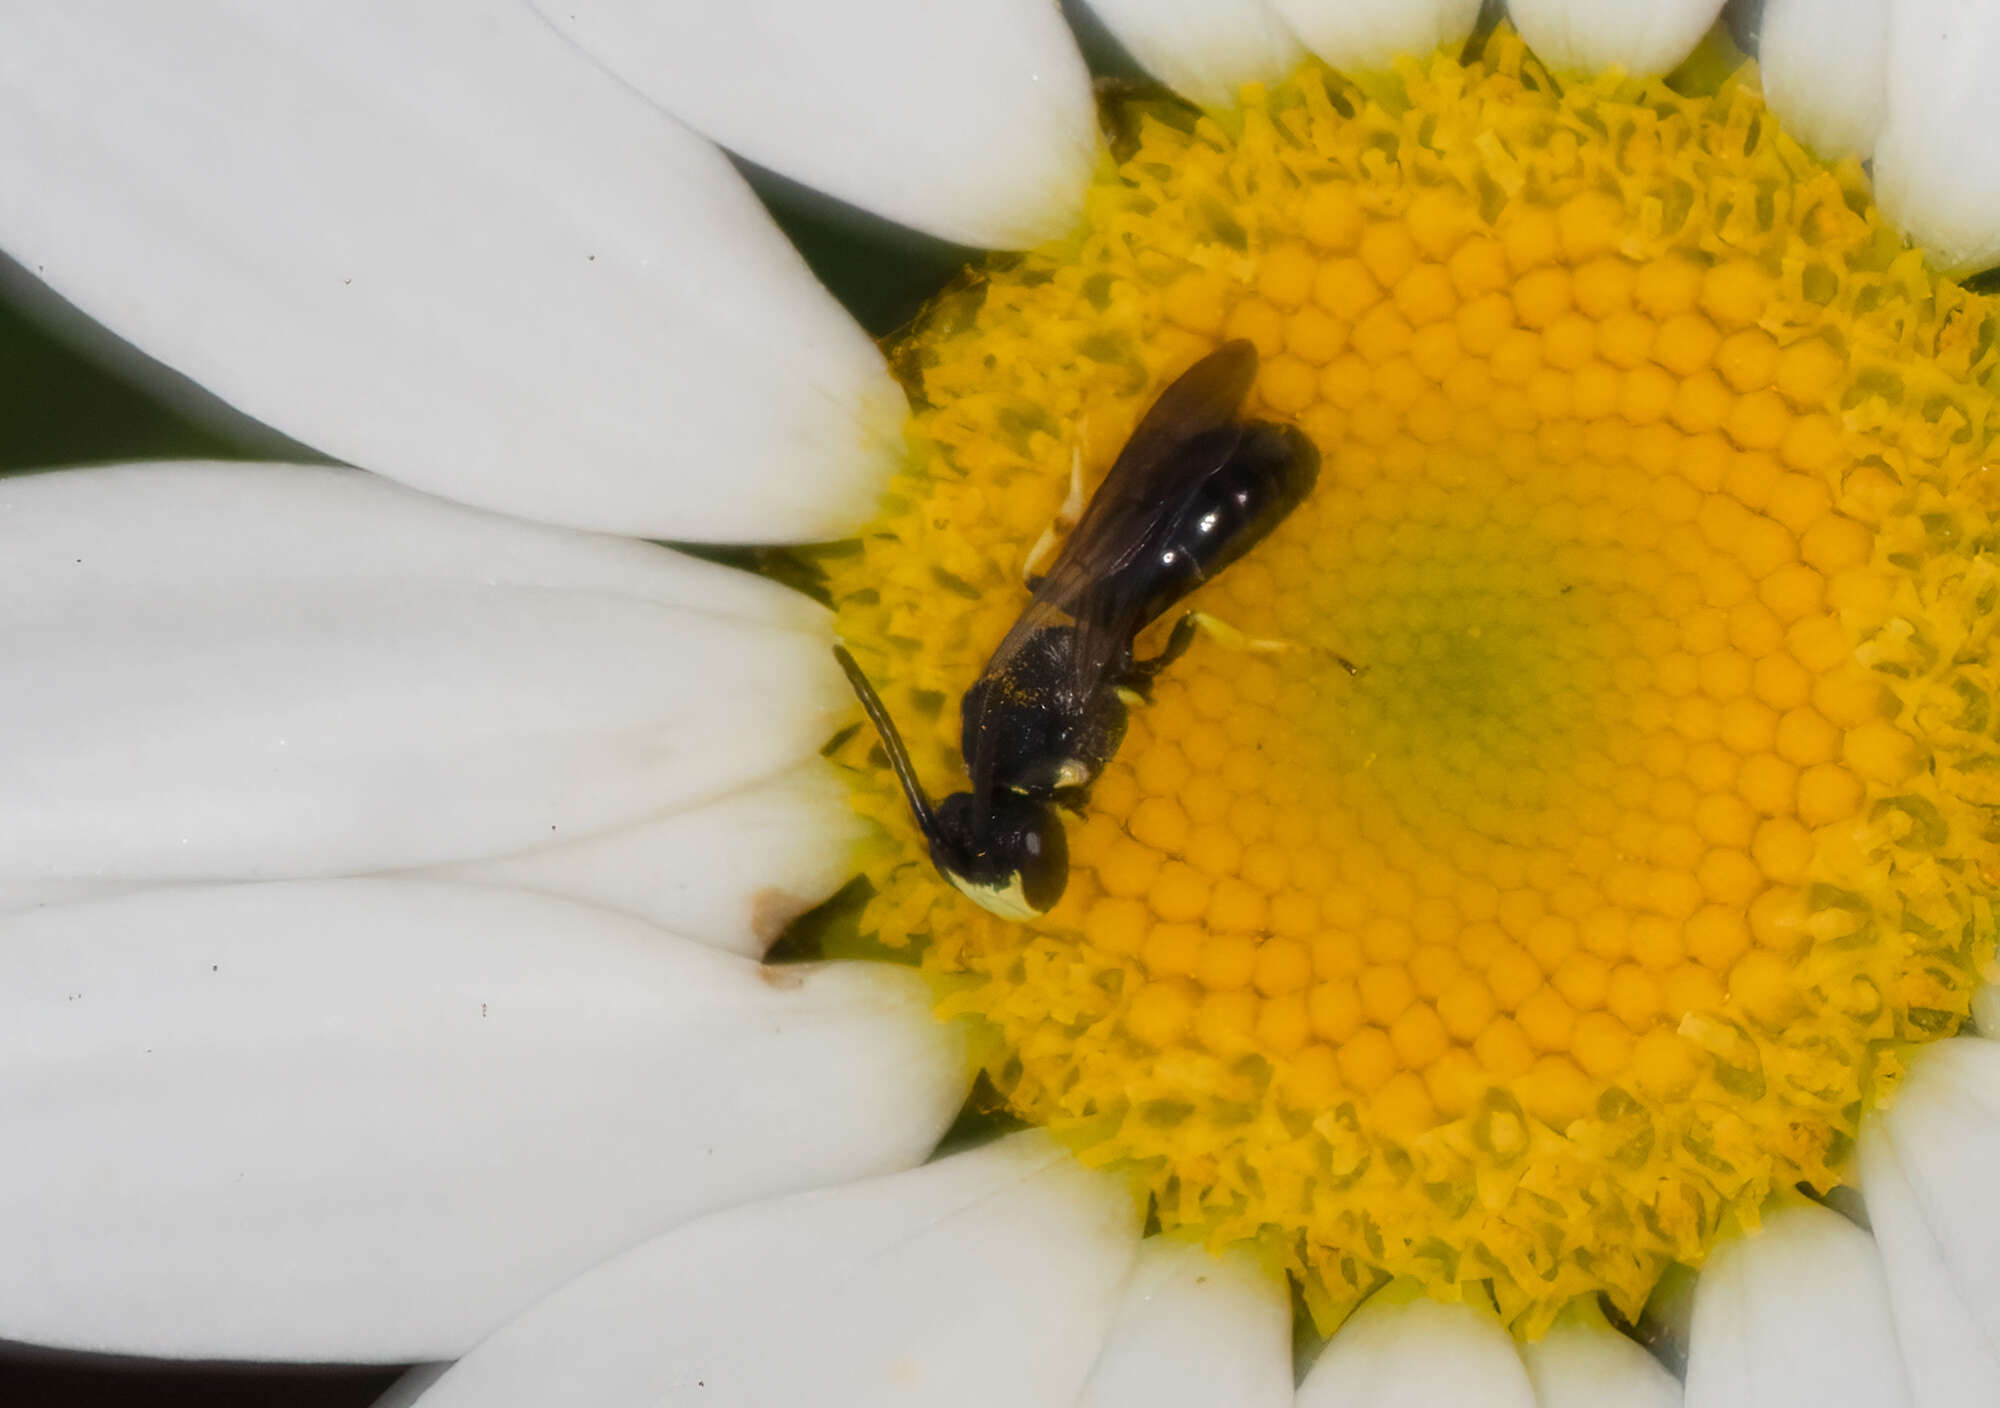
[(1194, 489)]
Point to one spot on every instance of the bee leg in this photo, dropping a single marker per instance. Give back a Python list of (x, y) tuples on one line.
[(1065, 519), (1222, 633), (1139, 676)]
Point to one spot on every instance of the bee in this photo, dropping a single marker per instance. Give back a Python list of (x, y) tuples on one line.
[(1195, 488)]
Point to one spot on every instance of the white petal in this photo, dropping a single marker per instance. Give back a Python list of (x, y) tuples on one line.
[(1204, 49), (35, 894), (732, 872), (43, 309), (1794, 1314), (1951, 1364), (1823, 64), (1365, 34), (218, 524), (1643, 37), (1986, 1010), (1418, 1354), (970, 119), (372, 1120), (1195, 1330), (254, 671), (980, 1281), (1927, 1169), (436, 241), (1934, 171), (1577, 1365)]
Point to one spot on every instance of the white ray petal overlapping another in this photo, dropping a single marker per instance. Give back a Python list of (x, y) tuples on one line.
[(972, 120), (1934, 171), (1909, 85), (1926, 1169), (237, 671), (1795, 1315), (438, 242), (1193, 1330), (732, 872), (1398, 1352), (1821, 62), (372, 1120), (1583, 1363), (1204, 49), (985, 1280)]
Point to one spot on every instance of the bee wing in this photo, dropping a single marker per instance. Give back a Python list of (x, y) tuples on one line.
[(1149, 475), (1157, 472), (1168, 458), (1205, 396), (1152, 476)]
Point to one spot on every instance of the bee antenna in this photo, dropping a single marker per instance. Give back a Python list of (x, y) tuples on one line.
[(892, 741)]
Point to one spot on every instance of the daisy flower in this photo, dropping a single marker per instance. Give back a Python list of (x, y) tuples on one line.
[(390, 855)]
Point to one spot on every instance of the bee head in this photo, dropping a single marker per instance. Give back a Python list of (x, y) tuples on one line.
[(1010, 857)]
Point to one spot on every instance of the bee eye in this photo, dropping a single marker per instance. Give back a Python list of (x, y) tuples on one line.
[(1042, 858)]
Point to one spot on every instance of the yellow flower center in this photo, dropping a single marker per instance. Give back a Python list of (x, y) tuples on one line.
[(1655, 512)]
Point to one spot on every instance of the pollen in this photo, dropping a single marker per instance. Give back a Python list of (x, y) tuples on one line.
[(1590, 797)]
